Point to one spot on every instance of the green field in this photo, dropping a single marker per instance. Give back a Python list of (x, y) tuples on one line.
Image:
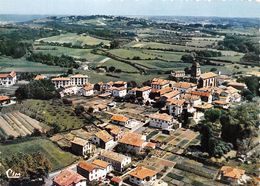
[(119, 65), (22, 65), (56, 156), (230, 58), (75, 39), (73, 52), (51, 113), (130, 53)]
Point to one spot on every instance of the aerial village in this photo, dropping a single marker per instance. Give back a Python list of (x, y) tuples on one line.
[(131, 140)]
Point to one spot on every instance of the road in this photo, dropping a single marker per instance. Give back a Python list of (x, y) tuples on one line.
[(104, 60)]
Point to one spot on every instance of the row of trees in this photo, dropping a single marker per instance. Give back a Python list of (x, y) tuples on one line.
[(41, 89), (62, 61)]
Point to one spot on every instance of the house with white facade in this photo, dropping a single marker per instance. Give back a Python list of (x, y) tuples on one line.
[(82, 147), (142, 176), (119, 120), (208, 79), (8, 79), (118, 91), (75, 80), (143, 92), (135, 142), (184, 86), (118, 161), (91, 171), (163, 121), (69, 178), (87, 90), (103, 139), (158, 84), (175, 106), (103, 164)]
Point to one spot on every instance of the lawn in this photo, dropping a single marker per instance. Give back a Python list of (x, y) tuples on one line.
[(56, 156), (22, 65), (75, 39), (51, 113), (130, 53)]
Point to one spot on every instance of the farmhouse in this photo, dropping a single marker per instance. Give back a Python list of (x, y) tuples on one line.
[(231, 174), (155, 94), (173, 94), (120, 84), (82, 147), (117, 181), (178, 74), (143, 92), (4, 100), (118, 161), (175, 106), (91, 171), (106, 86), (207, 80), (163, 121), (69, 178), (135, 142), (87, 90), (69, 90), (221, 104), (142, 176), (103, 164), (204, 96), (158, 84), (103, 139), (118, 91), (238, 86), (114, 131), (184, 86), (8, 79), (120, 120)]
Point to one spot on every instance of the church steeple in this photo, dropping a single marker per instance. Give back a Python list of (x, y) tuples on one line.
[(195, 70)]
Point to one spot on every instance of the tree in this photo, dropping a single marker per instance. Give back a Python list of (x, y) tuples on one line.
[(187, 58), (41, 89), (111, 69), (79, 109), (31, 166), (70, 71), (114, 44), (212, 115), (240, 122)]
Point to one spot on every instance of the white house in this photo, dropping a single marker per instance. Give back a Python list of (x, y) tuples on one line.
[(135, 142), (103, 164), (103, 139), (69, 178), (142, 176), (143, 92), (184, 86), (118, 91), (119, 120), (69, 90), (158, 84), (79, 79), (208, 79), (87, 90), (118, 161), (75, 80), (82, 147), (8, 79), (163, 121), (175, 106), (91, 171)]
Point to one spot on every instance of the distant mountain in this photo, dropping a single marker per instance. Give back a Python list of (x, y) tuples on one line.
[(12, 18)]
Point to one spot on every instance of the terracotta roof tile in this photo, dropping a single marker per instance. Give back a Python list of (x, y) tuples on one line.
[(132, 139), (61, 79), (142, 173), (119, 118), (67, 178), (232, 172), (164, 117), (184, 85), (116, 180), (4, 98), (208, 75), (100, 163), (104, 136), (177, 102), (87, 166)]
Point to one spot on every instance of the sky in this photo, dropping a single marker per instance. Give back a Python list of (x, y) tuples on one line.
[(220, 8)]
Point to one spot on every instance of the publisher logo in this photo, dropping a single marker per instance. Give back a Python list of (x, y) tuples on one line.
[(12, 174)]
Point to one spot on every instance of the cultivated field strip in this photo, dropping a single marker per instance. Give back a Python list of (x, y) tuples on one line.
[(17, 124)]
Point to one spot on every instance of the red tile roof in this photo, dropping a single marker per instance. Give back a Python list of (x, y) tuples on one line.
[(232, 172), (142, 173), (67, 178), (89, 167)]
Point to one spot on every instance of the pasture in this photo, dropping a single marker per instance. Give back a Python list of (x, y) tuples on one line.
[(54, 154), (74, 39), (22, 65)]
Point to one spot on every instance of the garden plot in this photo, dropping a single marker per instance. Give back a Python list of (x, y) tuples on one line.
[(17, 124)]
